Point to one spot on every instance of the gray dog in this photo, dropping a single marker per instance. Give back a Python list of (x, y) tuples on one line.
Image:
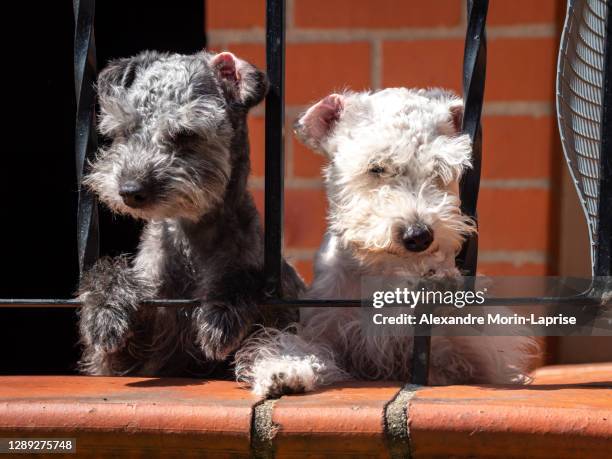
[(179, 159)]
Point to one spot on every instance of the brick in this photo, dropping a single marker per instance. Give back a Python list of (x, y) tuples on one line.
[(257, 142), (514, 12), (258, 197), (326, 14), (514, 219), (306, 163), (305, 223), (342, 421), (127, 416), (314, 70), (305, 268), (573, 374), (305, 212), (517, 146), (517, 69), (536, 422), (512, 269), (422, 63), (251, 52), (235, 14), (521, 69)]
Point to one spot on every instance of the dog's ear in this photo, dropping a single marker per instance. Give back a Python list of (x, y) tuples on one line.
[(450, 105), (453, 156), (242, 82), (121, 73), (456, 113), (314, 126), (114, 81)]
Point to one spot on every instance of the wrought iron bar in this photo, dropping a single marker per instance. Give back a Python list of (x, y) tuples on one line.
[(274, 144), (583, 299), (603, 251), (474, 72), (85, 130)]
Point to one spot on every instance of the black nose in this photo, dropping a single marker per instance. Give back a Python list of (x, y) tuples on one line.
[(418, 237), (133, 194)]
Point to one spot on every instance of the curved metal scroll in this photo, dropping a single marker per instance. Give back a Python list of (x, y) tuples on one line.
[(582, 85), (85, 131)]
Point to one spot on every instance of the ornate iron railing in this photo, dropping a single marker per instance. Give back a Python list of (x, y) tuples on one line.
[(584, 99), (85, 130), (474, 68), (275, 144)]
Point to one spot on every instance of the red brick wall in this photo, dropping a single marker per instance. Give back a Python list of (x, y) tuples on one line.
[(357, 44)]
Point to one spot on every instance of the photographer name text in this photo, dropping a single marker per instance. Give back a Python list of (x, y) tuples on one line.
[(471, 319)]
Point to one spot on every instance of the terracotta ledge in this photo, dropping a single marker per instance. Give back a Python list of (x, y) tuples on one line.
[(567, 412)]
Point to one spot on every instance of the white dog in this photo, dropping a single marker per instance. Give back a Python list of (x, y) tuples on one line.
[(395, 160)]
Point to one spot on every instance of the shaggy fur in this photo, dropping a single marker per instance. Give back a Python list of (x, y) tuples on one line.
[(395, 160), (178, 159)]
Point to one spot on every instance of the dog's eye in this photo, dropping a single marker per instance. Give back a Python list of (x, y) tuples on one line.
[(377, 169), (184, 135)]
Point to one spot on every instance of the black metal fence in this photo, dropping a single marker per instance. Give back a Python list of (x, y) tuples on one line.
[(474, 69)]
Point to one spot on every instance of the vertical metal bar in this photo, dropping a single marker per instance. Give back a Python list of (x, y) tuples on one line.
[(474, 72), (420, 360), (205, 44), (603, 252), (275, 144), (85, 130)]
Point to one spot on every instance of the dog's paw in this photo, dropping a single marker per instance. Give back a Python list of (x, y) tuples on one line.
[(220, 329), (286, 383), (104, 328), (273, 378), (110, 295)]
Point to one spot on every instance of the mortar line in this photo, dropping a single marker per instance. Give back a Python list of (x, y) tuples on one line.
[(346, 35), (263, 429), (395, 422)]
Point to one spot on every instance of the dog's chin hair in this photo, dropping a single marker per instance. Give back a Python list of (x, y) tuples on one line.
[(165, 211), (451, 236), (401, 262), (372, 256), (190, 207)]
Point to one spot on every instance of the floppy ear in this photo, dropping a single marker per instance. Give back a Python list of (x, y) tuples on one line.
[(121, 73), (456, 112), (314, 126), (452, 156), (242, 82), (116, 115)]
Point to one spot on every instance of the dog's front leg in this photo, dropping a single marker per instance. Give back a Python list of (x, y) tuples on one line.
[(229, 309), (110, 292), (221, 326), (275, 362)]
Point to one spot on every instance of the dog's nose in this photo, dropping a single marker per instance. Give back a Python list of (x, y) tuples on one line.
[(418, 237), (133, 194)]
